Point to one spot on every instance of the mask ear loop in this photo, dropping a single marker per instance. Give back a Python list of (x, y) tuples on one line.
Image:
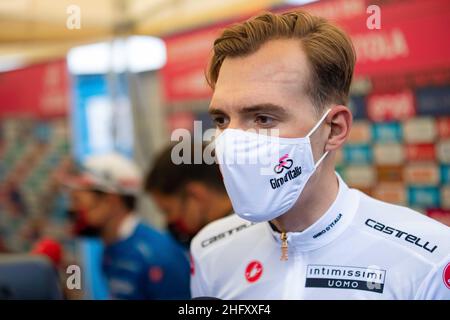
[(318, 124), (321, 159)]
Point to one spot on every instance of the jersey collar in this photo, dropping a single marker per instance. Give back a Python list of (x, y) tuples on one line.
[(335, 220), (127, 226)]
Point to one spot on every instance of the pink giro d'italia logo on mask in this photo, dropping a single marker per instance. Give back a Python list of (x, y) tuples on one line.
[(283, 163)]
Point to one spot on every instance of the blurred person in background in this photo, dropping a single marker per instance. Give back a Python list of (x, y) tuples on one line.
[(139, 262), (78, 215), (3, 248), (190, 195)]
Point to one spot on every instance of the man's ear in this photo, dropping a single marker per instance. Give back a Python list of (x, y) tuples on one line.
[(340, 120)]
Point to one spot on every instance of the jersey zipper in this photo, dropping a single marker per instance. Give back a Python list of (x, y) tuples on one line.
[(284, 246)]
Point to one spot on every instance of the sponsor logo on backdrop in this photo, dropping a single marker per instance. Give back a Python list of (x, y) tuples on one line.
[(395, 106)]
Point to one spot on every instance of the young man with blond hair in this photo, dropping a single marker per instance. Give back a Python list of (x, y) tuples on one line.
[(299, 231)]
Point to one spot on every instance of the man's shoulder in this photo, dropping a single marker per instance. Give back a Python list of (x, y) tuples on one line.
[(405, 228), (222, 232), (152, 244), (144, 231)]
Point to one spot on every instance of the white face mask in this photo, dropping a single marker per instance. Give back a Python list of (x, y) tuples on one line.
[(263, 190)]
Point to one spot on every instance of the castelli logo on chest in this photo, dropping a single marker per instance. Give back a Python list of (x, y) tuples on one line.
[(253, 271)]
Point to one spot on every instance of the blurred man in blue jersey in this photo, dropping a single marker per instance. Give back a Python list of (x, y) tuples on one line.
[(139, 262)]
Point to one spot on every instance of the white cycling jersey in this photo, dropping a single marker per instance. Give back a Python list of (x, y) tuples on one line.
[(361, 248)]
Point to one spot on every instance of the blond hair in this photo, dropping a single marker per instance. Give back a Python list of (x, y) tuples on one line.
[(330, 53)]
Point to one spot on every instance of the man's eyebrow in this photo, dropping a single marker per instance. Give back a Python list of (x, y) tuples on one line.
[(213, 110), (263, 107)]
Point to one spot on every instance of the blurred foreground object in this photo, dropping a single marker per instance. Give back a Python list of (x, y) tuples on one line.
[(28, 277)]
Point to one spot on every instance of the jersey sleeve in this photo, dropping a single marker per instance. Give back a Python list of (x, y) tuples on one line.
[(436, 285), (166, 277), (199, 286), (164, 283)]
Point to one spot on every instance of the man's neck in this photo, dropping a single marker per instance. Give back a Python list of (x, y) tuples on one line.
[(110, 233), (319, 194), (218, 205), (221, 206)]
